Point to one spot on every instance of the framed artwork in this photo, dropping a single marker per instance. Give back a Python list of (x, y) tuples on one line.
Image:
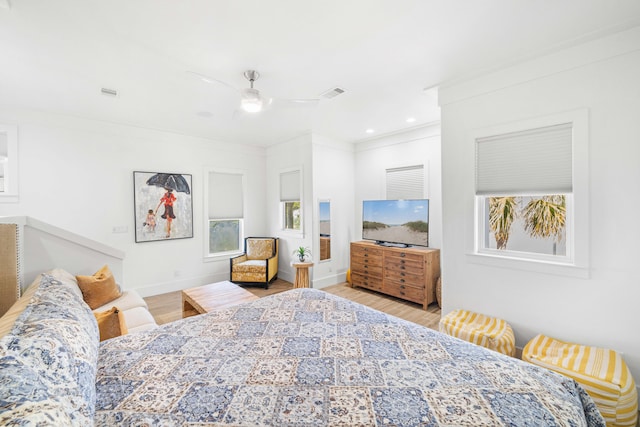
[(163, 206)]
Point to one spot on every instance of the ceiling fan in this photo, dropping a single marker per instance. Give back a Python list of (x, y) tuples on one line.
[(251, 99)]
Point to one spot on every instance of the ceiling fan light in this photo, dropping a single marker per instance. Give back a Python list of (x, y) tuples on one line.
[(251, 105), (251, 101)]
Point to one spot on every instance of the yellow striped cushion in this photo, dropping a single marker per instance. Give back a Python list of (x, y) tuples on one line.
[(602, 373), (489, 332)]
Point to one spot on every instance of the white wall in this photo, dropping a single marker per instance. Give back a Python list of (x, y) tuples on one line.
[(333, 180), (77, 174), (374, 157), (602, 310), (293, 154)]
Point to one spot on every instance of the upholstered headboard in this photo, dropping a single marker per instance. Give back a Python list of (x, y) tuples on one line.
[(10, 266)]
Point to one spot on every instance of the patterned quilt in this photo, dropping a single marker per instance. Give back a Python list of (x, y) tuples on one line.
[(308, 358)]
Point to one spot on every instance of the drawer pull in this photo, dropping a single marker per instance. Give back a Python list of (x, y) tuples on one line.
[(402, 267), (402, 274), (401, 280), (402, 254), (401, 286)]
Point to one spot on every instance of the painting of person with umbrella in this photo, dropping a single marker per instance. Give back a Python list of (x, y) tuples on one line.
[(174, 194)]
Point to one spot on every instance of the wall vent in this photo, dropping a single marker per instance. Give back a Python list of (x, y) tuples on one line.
[(109, 92), (332, 93)]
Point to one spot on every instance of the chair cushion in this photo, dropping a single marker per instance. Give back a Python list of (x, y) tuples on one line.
[(260, 248), (486, 331), (251, 266), (602, 372)]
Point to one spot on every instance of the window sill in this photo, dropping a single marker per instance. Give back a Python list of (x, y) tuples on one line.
[(221, 256), (536, 266)]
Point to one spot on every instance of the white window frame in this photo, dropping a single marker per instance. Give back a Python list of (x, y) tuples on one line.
[(10, 165), (291, 231), (208, 256), (576, 261)]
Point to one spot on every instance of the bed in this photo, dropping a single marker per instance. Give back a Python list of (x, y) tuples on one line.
[(308, 358)]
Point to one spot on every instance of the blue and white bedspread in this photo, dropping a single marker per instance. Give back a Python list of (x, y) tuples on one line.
[(308, 358)]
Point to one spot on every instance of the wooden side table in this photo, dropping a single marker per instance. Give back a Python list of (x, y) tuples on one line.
[(302, 274)]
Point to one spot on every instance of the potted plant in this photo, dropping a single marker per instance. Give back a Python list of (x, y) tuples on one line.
[(302, 253)]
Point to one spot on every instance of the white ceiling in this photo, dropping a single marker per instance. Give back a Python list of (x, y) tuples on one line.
[(57, 55)]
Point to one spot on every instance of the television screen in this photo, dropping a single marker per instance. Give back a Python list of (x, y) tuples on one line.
[(404, 222)]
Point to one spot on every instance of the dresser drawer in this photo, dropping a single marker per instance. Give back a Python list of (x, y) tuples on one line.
[(362, 266), (407, 256), (401, 265), (403, 278), (367, 281), (404, 291), (366, 251)]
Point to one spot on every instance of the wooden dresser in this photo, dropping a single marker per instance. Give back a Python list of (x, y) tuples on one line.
[(407, 273)]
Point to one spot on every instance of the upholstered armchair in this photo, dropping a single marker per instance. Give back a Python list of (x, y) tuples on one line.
[(258, 263)]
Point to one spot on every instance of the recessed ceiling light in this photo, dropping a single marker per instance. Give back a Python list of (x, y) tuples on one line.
[(411, 119), (369, 131)]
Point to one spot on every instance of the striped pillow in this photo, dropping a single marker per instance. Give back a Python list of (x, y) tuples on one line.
[(489, 332), (602, 373)]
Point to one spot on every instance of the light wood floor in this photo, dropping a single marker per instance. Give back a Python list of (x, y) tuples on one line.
[(168, 307)]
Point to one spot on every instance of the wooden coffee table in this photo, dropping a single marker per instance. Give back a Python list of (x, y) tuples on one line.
[(204, 299)]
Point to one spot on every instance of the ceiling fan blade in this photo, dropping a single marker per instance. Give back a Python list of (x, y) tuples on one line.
[(295, 102), (211, 80)]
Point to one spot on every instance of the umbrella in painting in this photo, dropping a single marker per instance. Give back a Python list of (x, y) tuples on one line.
[(172, 181)]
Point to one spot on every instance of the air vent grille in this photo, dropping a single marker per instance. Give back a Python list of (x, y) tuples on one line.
[(109, 92), (332, 93)]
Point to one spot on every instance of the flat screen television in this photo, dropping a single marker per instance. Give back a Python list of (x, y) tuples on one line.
[(396, 222)]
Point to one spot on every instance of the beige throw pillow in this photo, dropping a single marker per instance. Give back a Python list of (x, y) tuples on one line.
[(99, 289), (111, 323)]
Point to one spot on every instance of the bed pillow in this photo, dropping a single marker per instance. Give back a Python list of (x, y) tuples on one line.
[(111, 323), (99, 289), (9, 318), (48, 360)]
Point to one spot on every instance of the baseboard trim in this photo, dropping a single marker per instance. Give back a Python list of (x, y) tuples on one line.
[(334, 279), (178, 285)]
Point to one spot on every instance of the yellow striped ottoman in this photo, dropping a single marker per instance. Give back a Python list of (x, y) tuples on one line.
[(601, 372), (489, 332)]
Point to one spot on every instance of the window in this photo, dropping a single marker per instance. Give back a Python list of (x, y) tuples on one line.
[(290, 200), (8, 164), (225, 212), (405, 183), (524, 194)]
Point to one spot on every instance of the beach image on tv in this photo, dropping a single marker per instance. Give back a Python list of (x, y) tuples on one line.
[(396, 221)]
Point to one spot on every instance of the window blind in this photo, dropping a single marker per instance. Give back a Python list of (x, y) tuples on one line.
[(405, 182), (535, 161), (226, 198), (290, 186)]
